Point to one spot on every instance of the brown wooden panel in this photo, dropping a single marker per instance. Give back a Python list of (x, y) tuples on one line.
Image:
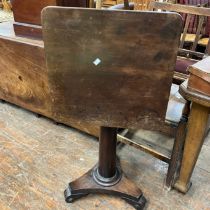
[(74, 3), (23, 74), (136, 53), (29, 11), (28, 30), (24, 79), (199, 79)]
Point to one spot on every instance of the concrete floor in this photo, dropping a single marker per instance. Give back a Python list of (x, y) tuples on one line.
[(39, 158)]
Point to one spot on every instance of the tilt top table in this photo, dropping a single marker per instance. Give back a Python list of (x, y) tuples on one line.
[(112, 69)]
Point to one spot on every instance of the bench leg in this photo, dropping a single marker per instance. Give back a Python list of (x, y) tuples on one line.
[(177, 151), (193, 143)]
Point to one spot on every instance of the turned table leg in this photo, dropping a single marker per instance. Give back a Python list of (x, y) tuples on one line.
[(194, 140), (107, 176)]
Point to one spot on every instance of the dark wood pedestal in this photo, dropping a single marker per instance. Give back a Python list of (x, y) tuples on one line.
[(106, 177)]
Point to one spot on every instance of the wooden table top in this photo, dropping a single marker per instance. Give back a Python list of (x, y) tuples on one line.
[(104, 69)]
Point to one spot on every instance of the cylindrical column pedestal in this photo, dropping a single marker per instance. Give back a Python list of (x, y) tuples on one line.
[(107, 152), (107, 172)]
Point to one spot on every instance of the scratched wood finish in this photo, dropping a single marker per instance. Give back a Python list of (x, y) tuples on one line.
[(11, 48), (130, 86), (24, 79), (38, 158), (27, 74)]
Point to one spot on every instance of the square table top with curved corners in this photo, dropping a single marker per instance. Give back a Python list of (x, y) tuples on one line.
[(111, 68)]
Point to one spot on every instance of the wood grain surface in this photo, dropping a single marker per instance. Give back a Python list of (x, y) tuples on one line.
[(199, 79), (38, 158), (111, 68), (24, 78), (30, 11), (9, 73)]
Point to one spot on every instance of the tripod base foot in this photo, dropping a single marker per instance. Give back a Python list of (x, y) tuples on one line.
[(124, 188)]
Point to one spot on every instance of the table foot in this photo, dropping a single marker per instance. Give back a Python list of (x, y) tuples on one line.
[(121, 186), (182, 187)]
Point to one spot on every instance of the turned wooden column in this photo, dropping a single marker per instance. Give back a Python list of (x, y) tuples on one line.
[(107, 152)]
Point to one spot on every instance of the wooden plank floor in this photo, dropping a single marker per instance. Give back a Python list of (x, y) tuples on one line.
[(39, 158)]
